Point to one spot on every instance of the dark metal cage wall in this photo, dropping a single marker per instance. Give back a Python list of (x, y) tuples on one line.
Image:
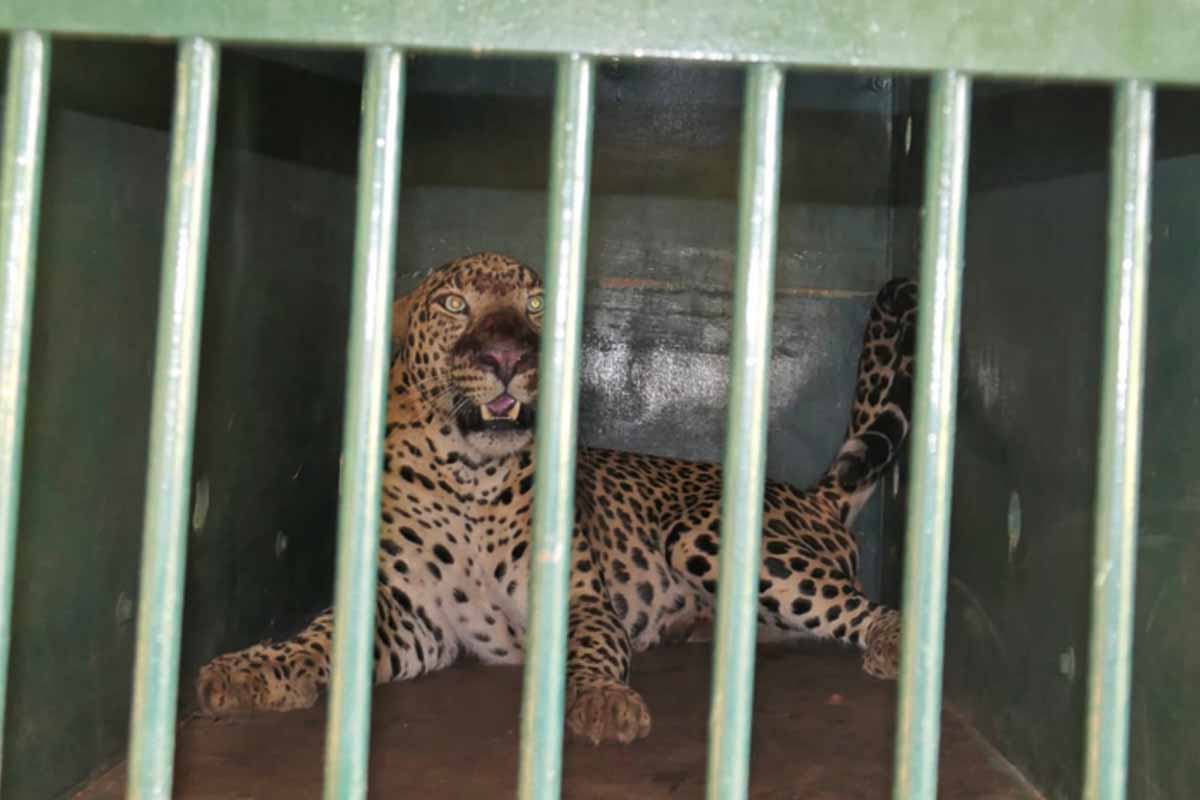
[(1133, 46)]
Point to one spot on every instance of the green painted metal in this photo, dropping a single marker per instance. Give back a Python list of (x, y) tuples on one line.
[(746, 437), (20, 201), (172, 415), (1016, 663), (540, 776), (1111, 651), (918, 723), (1069, 38), (348, 732), (261, 560), (1166, 695)]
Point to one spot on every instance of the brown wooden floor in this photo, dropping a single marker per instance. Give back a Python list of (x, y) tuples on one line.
[(822, 730)]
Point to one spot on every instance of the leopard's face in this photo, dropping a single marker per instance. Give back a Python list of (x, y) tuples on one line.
[(469, 336)]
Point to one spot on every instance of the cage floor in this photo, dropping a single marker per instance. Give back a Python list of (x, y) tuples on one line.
[(822, 730)]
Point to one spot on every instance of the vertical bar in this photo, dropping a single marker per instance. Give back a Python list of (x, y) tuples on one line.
[(745, 437), (558, 406), (918, 726), (20, 190), (1106, 759), (172, 414), (348, 731)]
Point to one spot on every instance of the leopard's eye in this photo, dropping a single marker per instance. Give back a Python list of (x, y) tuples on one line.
[(535, 304), (454, 303)]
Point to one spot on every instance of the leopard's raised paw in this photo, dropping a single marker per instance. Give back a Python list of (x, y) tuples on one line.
[(882, 657)]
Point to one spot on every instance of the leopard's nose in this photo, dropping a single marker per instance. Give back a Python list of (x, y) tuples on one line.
[(507, 360)]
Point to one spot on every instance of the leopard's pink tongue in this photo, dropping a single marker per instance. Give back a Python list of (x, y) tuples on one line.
[(502, 405)]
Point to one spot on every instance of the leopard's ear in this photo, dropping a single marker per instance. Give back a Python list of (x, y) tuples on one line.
[(400, 315)]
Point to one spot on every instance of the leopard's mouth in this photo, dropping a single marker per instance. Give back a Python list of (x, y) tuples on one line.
[(502, 408), (502, 413)]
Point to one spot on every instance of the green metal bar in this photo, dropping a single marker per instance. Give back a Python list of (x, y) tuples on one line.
[(1106, 757), (349, 727), (172, 414), (746, 437), (918, 726), (558, 408), (1075, 39), (20, 193)]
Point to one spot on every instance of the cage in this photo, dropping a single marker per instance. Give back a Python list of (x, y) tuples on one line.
[(198, 203)]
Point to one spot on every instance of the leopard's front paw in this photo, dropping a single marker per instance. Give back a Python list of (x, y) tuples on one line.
[(225, 688), (232, 685), (882, 656), (607, 713)]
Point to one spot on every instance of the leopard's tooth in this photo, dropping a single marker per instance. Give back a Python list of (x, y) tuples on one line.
[(486, 413), (514, 412)]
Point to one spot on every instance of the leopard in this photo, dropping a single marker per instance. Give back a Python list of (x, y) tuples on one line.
[(455, 525)]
